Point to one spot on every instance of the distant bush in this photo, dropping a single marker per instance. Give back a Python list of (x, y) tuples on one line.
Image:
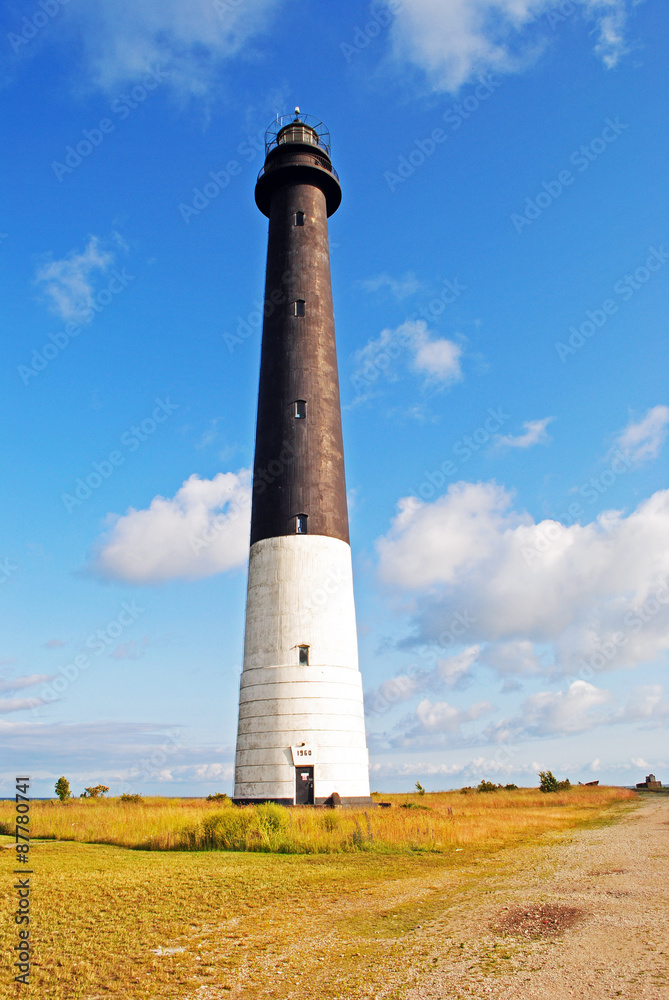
[(487, 786), (419, 788), (549, 783), (94, 792), (490, 786), (219, 797), (466, 790), (413, 805), (127, 797)]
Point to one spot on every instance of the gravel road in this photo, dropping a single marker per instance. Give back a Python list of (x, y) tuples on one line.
[(587, 917)]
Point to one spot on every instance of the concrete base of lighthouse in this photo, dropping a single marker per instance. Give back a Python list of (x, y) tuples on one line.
[(300, 719)]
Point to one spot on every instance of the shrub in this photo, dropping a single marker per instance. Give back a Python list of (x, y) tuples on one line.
[(488, 786), (94, 792), (419, 788), (510, 788), (549, 783), (126, 797), (63, 789), (219, 797)]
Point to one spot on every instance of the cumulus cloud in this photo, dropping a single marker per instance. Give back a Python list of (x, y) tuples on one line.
[(555, 713), (647, 704), (433, 724), (187, 43), (448, 672), (454, 42), (643, 440), (441, 717), (535, 433), (597, 595), (434, 357), (69, 283), (202, 530), (512, 659)]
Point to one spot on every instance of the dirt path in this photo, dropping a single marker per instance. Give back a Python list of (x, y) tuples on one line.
[(584, 918)]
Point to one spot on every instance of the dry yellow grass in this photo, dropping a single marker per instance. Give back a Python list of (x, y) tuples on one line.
[(437, 822)]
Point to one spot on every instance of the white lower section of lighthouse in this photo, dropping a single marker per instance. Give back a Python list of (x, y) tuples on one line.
[(300, 703)]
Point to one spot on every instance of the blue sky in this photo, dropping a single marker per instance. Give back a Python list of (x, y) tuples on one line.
[(499, 276)]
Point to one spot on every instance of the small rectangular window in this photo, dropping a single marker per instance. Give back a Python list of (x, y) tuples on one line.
[(304, 655), (298, 307), (299, 218), (301, 524), (300, 409)]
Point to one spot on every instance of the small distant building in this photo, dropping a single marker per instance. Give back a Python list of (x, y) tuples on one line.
[(650, 782)]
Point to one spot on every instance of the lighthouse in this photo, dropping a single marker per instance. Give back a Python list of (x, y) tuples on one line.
[(301, 731)]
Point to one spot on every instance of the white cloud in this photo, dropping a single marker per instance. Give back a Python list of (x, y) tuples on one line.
[(188, 42), (535, 433), (18, 704), (597, 595), (454, 41), (643, 440), (19, 683), (435, 357), (68, 282), (514, 658), (647, 704), (441, 717), (555, 713), (202, 530), (400, 288), (455, 670)]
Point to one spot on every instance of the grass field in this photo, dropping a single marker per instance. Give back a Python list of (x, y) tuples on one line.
[(199, 925)]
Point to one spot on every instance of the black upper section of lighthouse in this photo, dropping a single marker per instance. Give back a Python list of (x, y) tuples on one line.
[(298, 481)]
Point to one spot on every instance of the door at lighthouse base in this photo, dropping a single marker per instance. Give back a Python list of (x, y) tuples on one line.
[(304, 786)]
